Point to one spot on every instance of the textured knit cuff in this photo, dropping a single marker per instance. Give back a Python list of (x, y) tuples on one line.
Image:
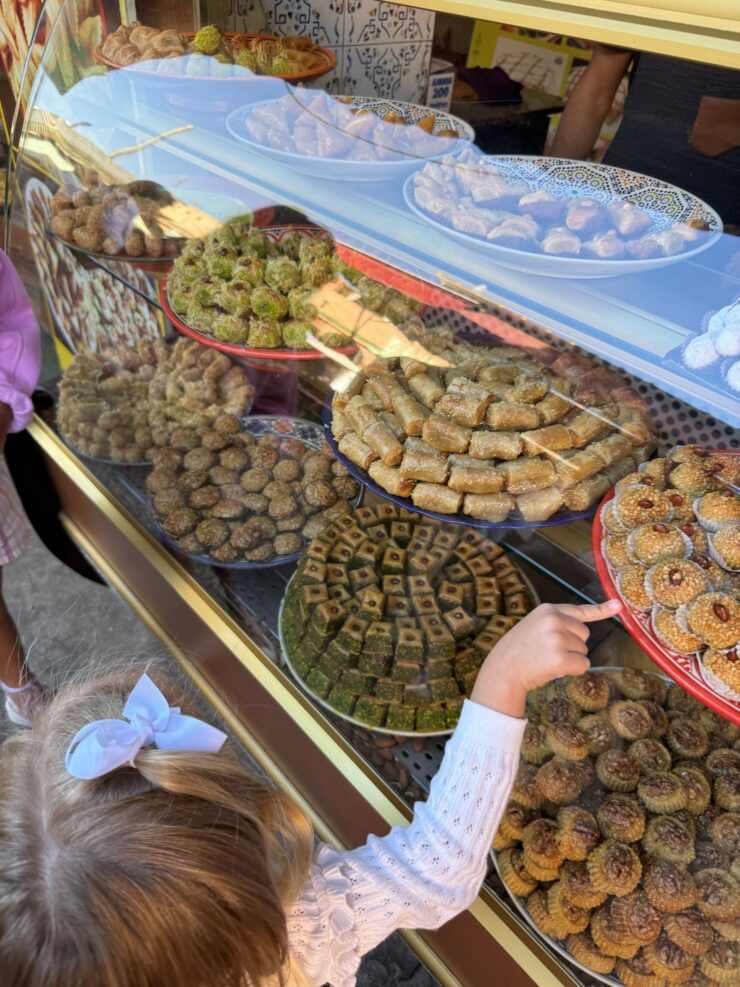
[(483, 727)]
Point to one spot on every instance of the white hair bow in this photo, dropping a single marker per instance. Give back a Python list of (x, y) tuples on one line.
[(104, 745)]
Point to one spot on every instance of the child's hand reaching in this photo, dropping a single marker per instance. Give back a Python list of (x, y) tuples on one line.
[(551, 641)]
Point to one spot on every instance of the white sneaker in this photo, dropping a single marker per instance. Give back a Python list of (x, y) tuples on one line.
[(22, 706)]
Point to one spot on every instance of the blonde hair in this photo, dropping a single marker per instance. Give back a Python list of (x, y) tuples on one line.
[(174, 873)]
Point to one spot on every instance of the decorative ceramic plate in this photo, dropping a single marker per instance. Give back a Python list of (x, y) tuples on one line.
[(351, 719), (557, 945), (276, 234), (513, 521), (687, 670), (284, 428), (356, 171), (328, 62), (667, 204)]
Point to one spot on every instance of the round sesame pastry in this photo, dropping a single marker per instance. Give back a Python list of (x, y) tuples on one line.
[(578, 833), (670, 633), (631, 583), (656, 471), (722, 962), (643, 477), (683, 508), (690, 930), (718, 508), (692, 479), (716, 575), (715, 618), (600, 733), (668, 838), (696, 535), (621, 817), (583, 949), (650, 755), (616, 551), (641, 505), (514, 874), (675, 582), (611, 522), (724, 547), (669, 961), (662, 792), (719, 895), (578, 887), (669, 886), (656, 541), (614, 868), (629, 719), (637, 972), (590, 692)]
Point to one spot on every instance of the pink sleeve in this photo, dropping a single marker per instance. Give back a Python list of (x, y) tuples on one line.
[(20, 346)]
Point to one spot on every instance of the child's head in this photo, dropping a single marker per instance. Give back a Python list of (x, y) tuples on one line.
[(172, 873)]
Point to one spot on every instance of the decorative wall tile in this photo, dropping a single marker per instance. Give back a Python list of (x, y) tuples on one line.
[(372, 22), (321, 20), (395, 71)]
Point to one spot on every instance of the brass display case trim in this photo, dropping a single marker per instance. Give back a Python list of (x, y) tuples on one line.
[(517, 941)]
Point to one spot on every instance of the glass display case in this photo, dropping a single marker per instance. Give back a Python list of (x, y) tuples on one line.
[(348, 376)]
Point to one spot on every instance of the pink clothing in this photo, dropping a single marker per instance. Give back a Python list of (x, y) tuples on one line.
[(15, 527), (20, 346)]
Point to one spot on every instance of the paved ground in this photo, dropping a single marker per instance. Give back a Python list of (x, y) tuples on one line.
[(67, 621)]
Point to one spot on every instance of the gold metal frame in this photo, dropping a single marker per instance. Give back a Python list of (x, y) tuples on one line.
[(511, 936), (689, 29)]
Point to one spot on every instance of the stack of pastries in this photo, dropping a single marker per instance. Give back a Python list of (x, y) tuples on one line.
[(672, 543), (390, 616), (495, 432), (623, 829)]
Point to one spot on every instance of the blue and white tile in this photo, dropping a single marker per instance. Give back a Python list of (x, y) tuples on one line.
[(393, 71), (320, 20), (371, 22)]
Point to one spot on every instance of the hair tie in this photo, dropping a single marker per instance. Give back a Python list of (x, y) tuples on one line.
[(104, 745)]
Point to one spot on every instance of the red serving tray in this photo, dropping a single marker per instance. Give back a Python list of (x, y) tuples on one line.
[(684, 669)]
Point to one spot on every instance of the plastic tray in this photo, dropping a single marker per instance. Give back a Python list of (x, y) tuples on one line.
[(351, 719), (285, 428), (687, 670), (562, 176), (562, 517), (152, 265)]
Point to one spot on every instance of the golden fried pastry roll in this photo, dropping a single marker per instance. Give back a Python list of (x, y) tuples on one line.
[(390, 479), (496, 445), (587, 426), (508, 416), (360, 414), (586, 493), (478, 479), (393, 424), (427, 389), (539, 505), (380, 438), (611, 449), (357, 451), (494, 507), (529, 389), (619, 469), (354, 387), (525, 475), (411, 367), (410, 413), (551, 438), (369, 396), (573, 467), (340, 424), (553, 407), (432, 497), (462, 409), (443, 434), (423, 466), (387, 388), (415, 444)]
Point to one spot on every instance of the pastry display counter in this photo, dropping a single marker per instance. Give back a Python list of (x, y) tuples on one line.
[(332, 416)]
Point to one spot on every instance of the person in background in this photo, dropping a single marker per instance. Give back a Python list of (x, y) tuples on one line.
[(20, 361), (136, 850), (681, 123)]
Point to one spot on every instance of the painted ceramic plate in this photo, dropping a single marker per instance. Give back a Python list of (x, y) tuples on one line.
[(356, 171), (563, 178), (687, 670)]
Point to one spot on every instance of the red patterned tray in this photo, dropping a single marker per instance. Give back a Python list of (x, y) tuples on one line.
[(687, 670)]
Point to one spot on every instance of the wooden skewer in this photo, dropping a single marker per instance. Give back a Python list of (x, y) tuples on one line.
[(151, 140)]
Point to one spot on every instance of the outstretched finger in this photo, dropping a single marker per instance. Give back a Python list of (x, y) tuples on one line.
[(591, 611), (575, 664)]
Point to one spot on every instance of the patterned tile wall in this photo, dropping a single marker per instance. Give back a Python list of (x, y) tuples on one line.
[(383, 49)]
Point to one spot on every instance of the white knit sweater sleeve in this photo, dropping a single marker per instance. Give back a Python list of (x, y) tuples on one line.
[(420, 875)]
